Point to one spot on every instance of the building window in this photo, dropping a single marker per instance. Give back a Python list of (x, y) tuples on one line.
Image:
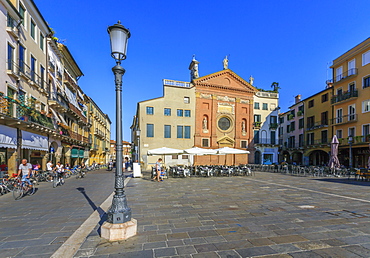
[(187, 113), (273, 137), (244, 144), (256, 137), (292, 126), (185, 156), (366, 58), (167, 131), (324, 136), (366, 82), (42, 38), (301, 123), (311, 103), (42, 76), (10, 57), (324, 98), (167, 112), (273, 119), (300, 140), (43, 107), (180, 112), (366, 106), (272, 106), (340, 133), (149, 130), (366, 132), (187, 132), (324, 118), (351, 112), (22, 51), (351, 132), (310, 138), (264, 106), (310, 121), (180, 131), (339, 116), (175, 156), (257, 118), (256, 105), (186, 100), (150, 110), (22, 12), (33, 29), (33, 68), (281, 120), (352, 87), (205, 142)]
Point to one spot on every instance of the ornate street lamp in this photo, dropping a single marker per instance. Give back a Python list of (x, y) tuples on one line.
[(119, 224), (350, 140)]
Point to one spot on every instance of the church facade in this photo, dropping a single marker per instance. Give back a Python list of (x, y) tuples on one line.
[(224, 115)]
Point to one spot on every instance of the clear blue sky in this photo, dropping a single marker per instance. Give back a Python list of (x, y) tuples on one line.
[(290, 42)]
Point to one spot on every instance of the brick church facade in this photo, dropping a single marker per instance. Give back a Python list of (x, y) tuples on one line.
[(224, 116)]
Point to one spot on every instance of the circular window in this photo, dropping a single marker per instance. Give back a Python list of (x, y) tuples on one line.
[(224, 123)]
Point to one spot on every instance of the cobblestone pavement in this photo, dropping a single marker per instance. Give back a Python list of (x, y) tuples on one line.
[(269, 215), (36, 226)]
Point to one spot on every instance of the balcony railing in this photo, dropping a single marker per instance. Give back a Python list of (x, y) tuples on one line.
[(294, 145), (77, 112), (345, 75), (344, 96), (59, 99), (68, 79), (365, 139), (317, 125), (318, 142), (344, 119), (265, 141), (23, 69), (8, 106), (274, 125)]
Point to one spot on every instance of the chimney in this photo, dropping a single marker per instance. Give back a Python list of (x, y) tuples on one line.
[(297, 98)]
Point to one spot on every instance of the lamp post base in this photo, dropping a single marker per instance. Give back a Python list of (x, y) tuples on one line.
[(116, 232)]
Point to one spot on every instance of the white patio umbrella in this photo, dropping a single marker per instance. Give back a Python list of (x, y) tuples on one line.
[(164, 151), (228, 150), (196, 151), (200, 151)]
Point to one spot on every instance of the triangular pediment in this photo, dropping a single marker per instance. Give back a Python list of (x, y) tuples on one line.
[(226, 141), (225, 79)]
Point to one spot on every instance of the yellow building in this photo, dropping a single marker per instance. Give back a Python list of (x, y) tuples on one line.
[(100, 135), (166, 122), (351, 103), (316, 121)]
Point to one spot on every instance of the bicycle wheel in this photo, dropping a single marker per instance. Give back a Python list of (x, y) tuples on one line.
[(31, 189), (55, 182), (18, 192)]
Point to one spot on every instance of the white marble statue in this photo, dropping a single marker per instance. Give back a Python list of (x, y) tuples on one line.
[(205, 123), (251, 79), (225, 63)]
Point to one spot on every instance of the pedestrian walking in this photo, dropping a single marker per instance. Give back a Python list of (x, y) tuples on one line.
[(158, 170), (49, 169)]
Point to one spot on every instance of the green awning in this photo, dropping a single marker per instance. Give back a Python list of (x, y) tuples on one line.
[(74, 153), (81, 154)]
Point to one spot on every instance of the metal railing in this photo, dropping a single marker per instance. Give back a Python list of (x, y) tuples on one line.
[(345, 75), (23, 69), (344, 96), (59, 98), (317, 142), (362, 139), (317, 125), (344, 119)]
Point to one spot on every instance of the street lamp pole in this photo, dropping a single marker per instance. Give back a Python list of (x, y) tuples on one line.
[(138, 145), (350, 139), (119, 212)]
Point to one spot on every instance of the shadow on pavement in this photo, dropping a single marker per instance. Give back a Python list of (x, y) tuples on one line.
[(345, 181), (92, 204)]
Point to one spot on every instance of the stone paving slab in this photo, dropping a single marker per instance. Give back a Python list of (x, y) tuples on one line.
[(36, 226), (269, 215)]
